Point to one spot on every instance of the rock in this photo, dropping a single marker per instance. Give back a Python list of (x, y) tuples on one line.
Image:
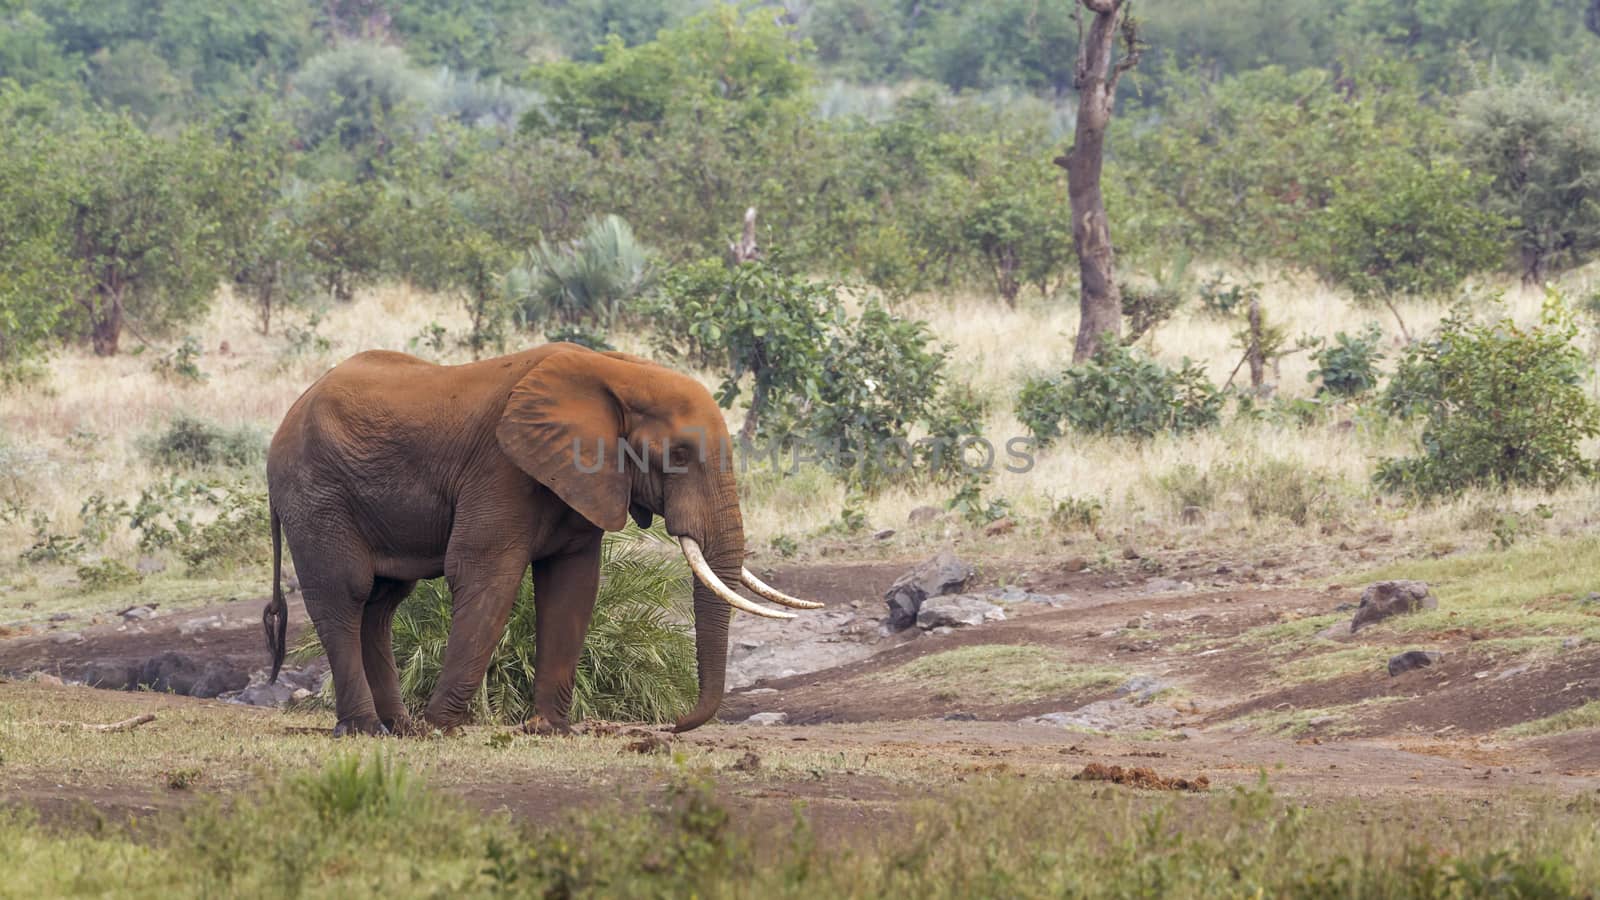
[(943, 574), (1076, 564), (45, 678), (67, 637), (1130, 552), (1166, 586), (923, 515), (1111, 715), (883, 535), (195, 626), (61, 617), (1412, 659), (149, 565), (960, 717), (762, 691), (999, 527), (767, 718), (1593, 599), (1572, 643), (1014, 594), (180, 673), (263, 695), (299, 694), (957, 611), (112, 674), (1335, 631), (135, 613), (1386, 599), (1142, 688)]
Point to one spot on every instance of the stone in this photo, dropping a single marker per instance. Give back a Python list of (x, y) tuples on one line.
[(960, 717), (1413, 659), (1386, 599), (1111, 715), (924, 515), (943, 574), (135, 613), (1131, 552), (883, 535), (180, 673), (195, 626), (1000, 526), (299, 694), (957, 611), (1142, 688), (1076, 564), (1166, 586), (1335, 631), (45, 678), (67, 637), (149, 565), (112, 674), (272, 695), (1572, 643), (767, 718), (61, 617), (1593, 599), (1014, 594)]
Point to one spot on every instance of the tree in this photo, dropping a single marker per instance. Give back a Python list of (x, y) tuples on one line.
[(1416, 231), (1541, 152), (139, 230), (1095, 78), (37, 278)]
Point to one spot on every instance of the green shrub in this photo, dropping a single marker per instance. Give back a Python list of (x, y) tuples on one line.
[(194, 443), (1348, 367), (1223, 297), (1119, 392), (1188, 485), (638, 661), (106, 575), (1147, 306), (182, 364), (593, 338), (1077, 513), (1500, 405), (584, 283), (1281, 488), (236, 538)]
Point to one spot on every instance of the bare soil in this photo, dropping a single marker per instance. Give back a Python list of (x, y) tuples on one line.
[(1434, 732)]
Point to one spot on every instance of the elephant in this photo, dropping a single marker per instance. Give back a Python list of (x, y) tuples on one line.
[(390, 469)]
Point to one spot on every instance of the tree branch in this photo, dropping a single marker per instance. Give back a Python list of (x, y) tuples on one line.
[(1132, 51), (124, 725)]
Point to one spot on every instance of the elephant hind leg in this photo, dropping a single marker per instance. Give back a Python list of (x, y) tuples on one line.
[(335, 599), (482, 603), (377, 653)]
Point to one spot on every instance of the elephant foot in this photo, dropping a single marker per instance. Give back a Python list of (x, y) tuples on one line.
[(360, 726), (405, 726), (543, 726)]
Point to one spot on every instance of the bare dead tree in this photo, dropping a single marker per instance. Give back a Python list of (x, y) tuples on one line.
[(746, 249), (1095, 77)]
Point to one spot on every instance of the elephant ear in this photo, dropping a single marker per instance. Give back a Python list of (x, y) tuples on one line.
[(562, 425)]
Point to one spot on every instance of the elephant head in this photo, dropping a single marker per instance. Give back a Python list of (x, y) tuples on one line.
[(614, 435)]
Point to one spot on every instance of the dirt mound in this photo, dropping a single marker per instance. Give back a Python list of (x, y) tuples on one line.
[(1140, 777)]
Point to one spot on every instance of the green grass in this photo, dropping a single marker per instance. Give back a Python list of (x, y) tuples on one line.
[(1004, 673), (36, 596), (1294, 722), (363, 827), (1585, 716)]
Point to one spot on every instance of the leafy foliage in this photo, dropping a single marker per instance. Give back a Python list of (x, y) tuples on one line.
[(587, 282), (1119, 392), (189, 443), (1349, 366), (1500, 404), (1540, 149)]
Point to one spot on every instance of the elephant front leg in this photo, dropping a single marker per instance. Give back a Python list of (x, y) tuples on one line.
[(564, 591), (482, 604)]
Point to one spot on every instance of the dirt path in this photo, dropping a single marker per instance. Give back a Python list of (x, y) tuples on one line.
[(1217, 703)]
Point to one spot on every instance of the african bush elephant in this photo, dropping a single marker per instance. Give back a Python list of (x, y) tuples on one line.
[(390, 469)]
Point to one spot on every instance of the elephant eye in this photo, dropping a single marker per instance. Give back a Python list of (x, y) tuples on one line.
[(678, 457)]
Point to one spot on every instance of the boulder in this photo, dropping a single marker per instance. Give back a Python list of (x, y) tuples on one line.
[(1412, 659), (1386, 599), (180, 673), (957, 611), (1111, 715), (263, 695), (767, 718), (943, 574), (67, 637), (112, 674), (135, 613), (1142, 688)]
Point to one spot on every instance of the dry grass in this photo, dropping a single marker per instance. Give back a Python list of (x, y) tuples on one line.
[(79, 433)]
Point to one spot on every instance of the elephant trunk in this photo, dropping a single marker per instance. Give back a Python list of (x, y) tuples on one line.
[(725, 553)]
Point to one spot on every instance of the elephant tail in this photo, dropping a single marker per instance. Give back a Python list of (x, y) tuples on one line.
[(275, 618)]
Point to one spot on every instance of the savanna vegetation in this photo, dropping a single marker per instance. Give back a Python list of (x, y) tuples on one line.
[(1352, 285)]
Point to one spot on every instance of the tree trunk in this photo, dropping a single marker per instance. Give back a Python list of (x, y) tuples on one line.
[(1253, 353), (1100, 303), (107, 329)]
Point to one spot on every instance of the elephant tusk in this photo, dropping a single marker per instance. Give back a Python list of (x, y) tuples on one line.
[(702, 571), (768, 592)]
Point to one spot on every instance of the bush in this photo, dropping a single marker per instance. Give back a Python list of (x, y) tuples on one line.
[(1147, 306), (1281, 488), (1122, 393), (193, 443), (1222, 297), (1416, 231), (236, 538), (1540, 150), (586, 282), (106, 575), (1500, 404), (1349, 367), (638, 661)]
